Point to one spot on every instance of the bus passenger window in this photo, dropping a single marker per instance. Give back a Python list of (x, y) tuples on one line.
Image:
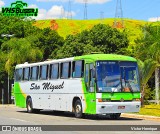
[(34, 73), (54, 71), (44, 72), (65, 70), (78, 69), (26, 72), (18, 74)]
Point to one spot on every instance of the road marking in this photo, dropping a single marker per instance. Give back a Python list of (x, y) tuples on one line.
[(18, 119)]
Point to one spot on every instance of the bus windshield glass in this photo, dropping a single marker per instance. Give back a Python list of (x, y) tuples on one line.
[(114, 76)]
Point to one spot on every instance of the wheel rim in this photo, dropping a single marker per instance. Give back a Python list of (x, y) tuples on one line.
[(78, 109), (29, 106)]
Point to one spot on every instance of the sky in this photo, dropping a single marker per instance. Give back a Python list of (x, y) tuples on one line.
[(148, 10)]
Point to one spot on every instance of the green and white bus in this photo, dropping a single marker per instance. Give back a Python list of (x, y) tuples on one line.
[(90, 84)]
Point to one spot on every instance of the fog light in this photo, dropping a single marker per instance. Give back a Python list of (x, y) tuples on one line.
[(137, 106)]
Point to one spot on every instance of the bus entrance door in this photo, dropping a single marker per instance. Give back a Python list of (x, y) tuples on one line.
[(90, 86)]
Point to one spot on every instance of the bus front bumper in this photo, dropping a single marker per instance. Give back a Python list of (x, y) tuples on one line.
[(117, 107)]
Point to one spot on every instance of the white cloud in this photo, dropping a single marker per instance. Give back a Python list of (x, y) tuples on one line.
[(53, 13), (57, 12), (32, 6), (2, 3), (92, 1), (52, 0), (154, 19), (78, 1), (41, 14)]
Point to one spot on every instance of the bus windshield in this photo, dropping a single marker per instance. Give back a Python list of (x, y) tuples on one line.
[(114, 76)]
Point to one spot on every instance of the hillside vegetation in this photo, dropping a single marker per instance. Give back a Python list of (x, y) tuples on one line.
[(65, 27)]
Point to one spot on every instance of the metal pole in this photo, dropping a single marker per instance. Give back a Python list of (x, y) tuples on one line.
[(8, 86), (8, 36), (2, 96), (8, 69), (157, 85)]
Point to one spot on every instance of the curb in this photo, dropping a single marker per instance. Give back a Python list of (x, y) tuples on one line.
[(141, 116), (7, 105)]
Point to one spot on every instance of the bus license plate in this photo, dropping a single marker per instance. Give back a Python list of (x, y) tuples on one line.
[(121, 107)]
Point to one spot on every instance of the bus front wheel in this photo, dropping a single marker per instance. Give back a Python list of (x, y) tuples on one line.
[(78, 109)]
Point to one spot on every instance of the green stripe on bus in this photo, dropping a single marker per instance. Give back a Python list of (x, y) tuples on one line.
[(20, 97), (119, 96), (88, 98)]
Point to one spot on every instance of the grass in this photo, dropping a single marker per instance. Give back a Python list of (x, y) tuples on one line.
[(66, 27), (152, 110)]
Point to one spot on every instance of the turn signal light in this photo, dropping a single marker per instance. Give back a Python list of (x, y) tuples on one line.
[(103, 100), (100, 100), (136, 99)]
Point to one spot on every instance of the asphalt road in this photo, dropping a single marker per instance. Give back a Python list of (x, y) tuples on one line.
[(11, 115)]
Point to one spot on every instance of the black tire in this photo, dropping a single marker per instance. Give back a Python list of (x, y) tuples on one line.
[(115, 116), (29, 105), (78, 109)]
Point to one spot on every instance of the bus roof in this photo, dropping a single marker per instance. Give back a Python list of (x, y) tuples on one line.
[(92, 57), (106, 57)]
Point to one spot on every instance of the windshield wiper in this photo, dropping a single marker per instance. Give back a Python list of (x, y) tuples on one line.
[(129, 86), (121, 84)]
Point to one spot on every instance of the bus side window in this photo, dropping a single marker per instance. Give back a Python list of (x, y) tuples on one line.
[(78, 69), (54, 71), (18, 74), (26, 73), (44, 72), (34, 73), (65, 70)]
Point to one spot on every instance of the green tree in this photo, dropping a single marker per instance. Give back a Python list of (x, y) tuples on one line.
[(29, 44), (108, 39), (3, 59), (47, 40), (146, 70), (74, 46), (101, 38), (148, 47), (19, 51), (20, 27)]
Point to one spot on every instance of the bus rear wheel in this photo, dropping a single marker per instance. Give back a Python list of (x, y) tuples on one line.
[(78, 109), (115, 116), (30, 107)]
